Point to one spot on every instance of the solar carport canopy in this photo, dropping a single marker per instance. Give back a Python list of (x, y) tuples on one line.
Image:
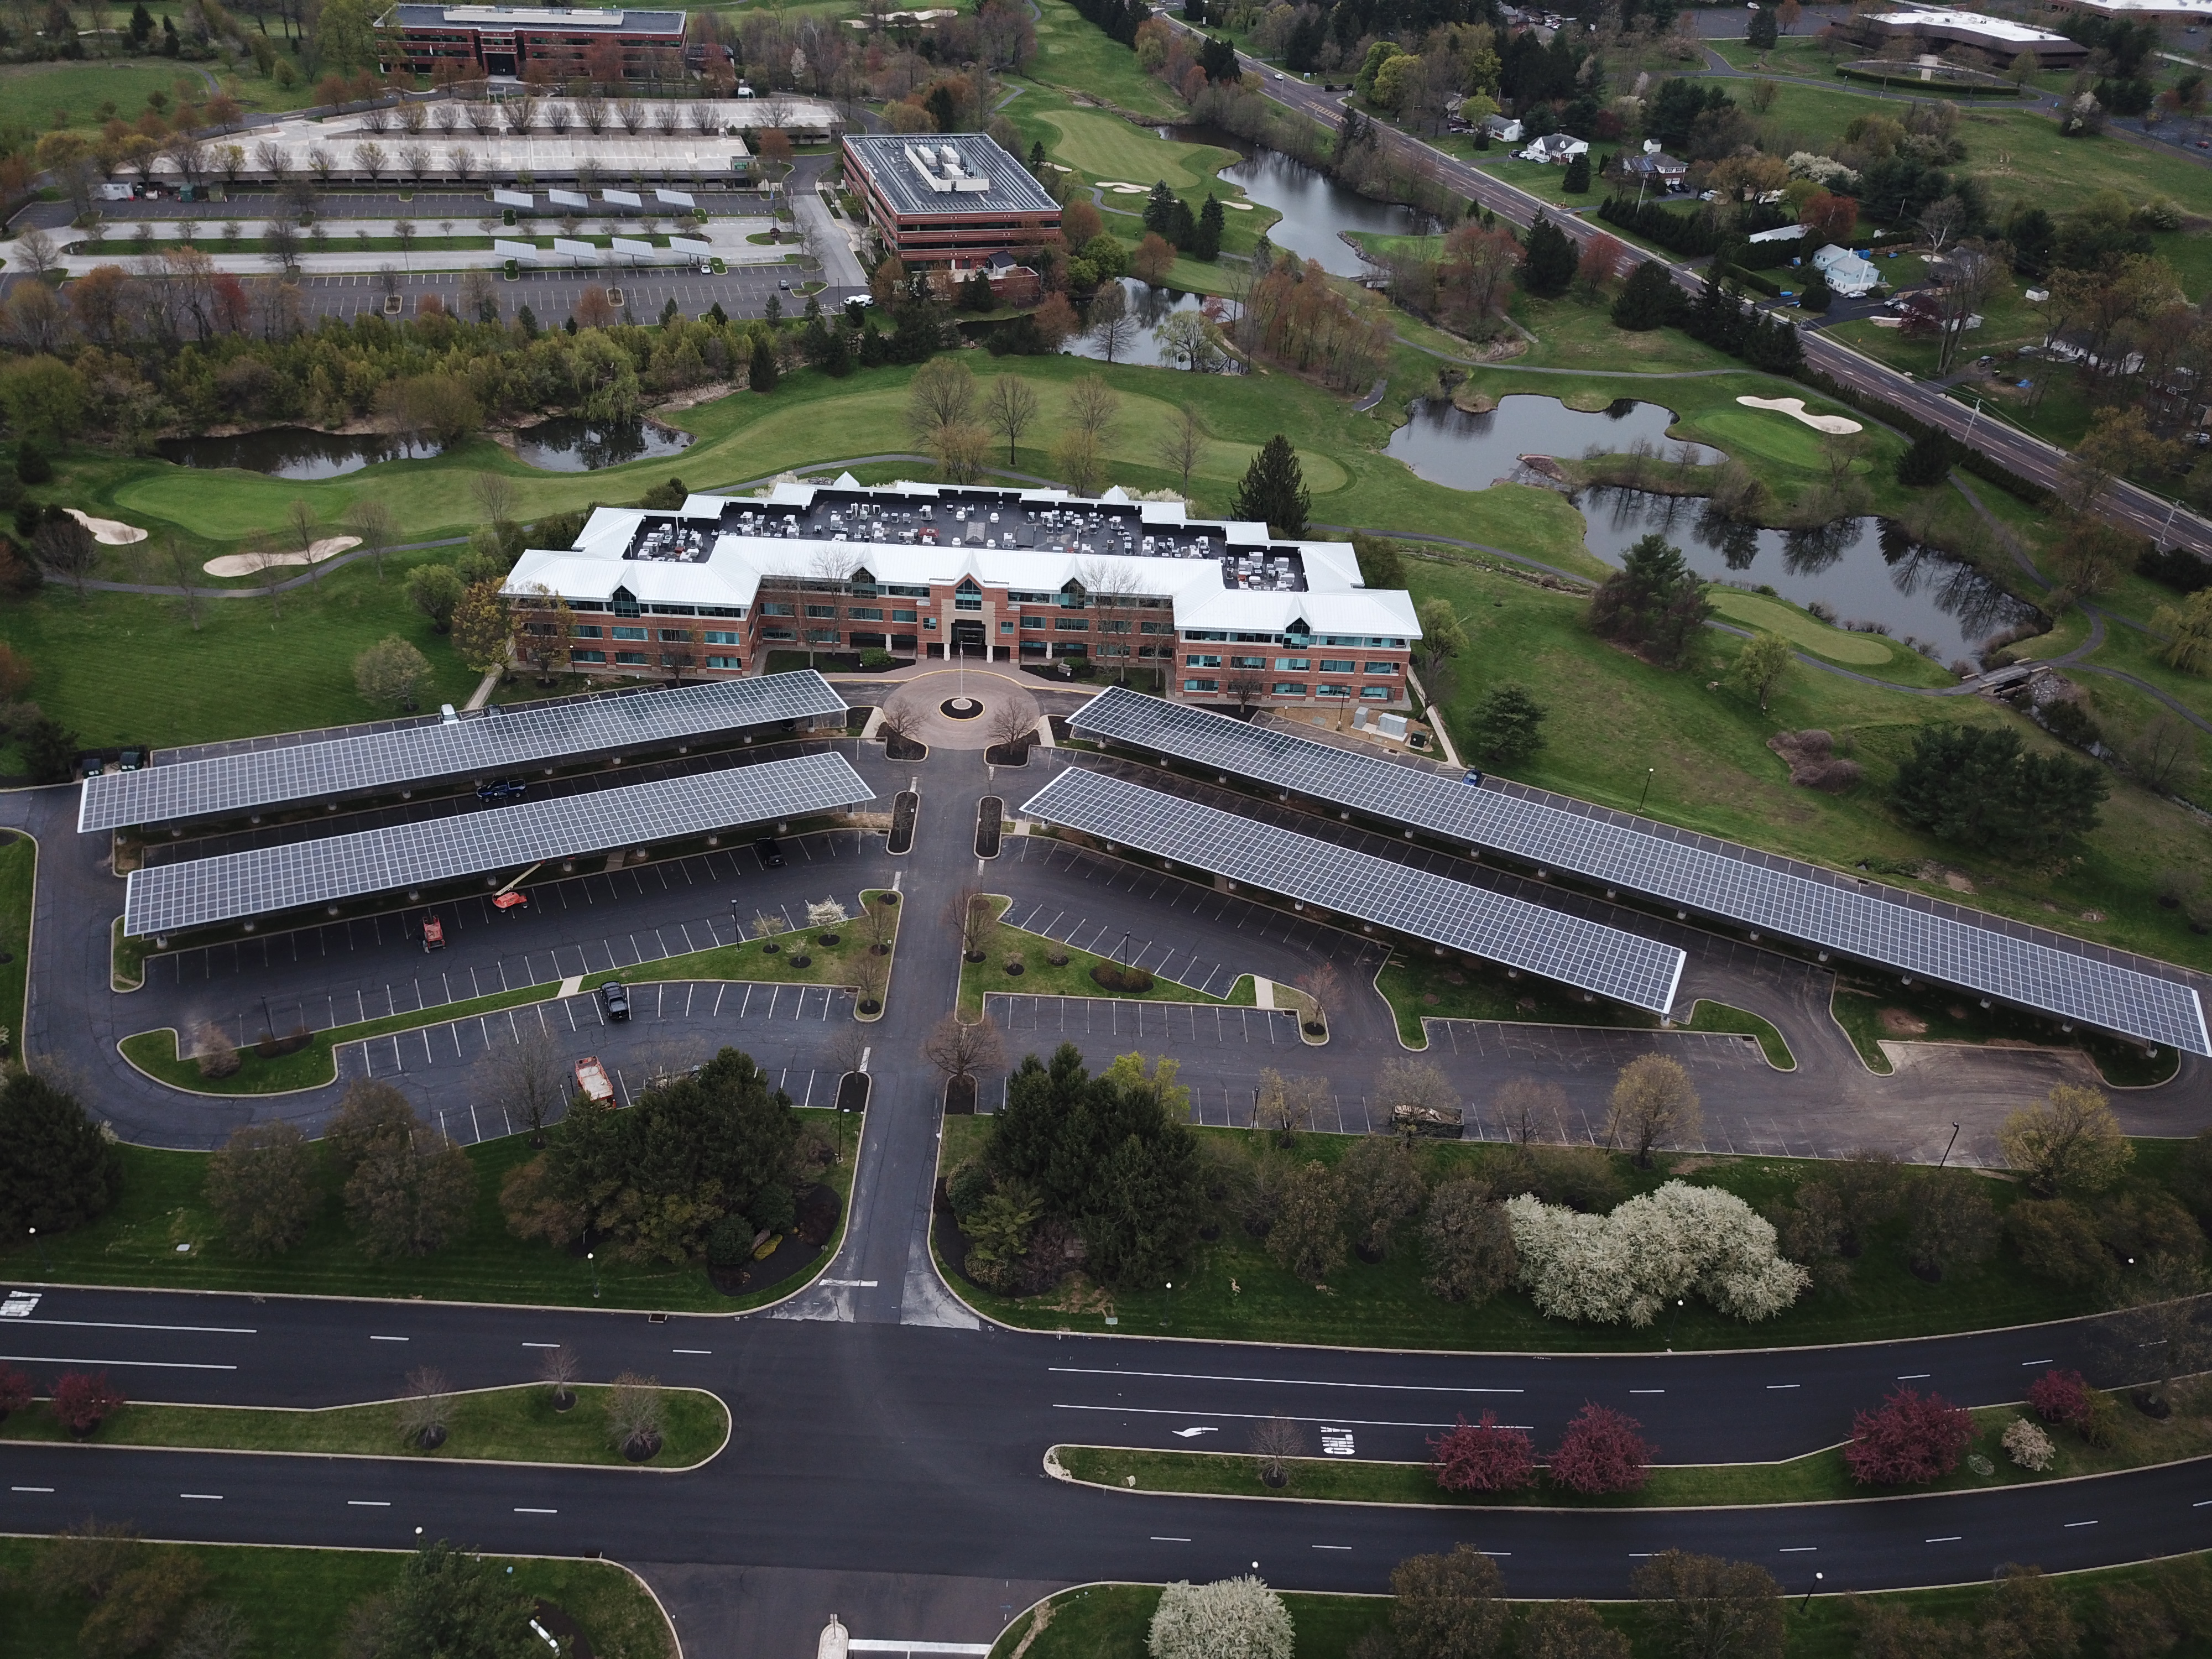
[(1588, 955), (1831, 912), (172, 897), (319, 768)]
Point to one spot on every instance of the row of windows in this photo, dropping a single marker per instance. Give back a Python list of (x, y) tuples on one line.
[(1291, 665), (1298, 688)]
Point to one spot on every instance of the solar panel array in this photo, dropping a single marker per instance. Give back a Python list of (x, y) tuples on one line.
[(1734, 885), (172, 897), (481, 744), (1587, 954)]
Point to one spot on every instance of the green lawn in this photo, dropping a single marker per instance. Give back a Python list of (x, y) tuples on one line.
[(298, 1602), (501, 1425), (1231, 1290), (1800, 629), (161, 1208), (1709, 1015), (1108, 1621), (1943, 1016), (1099, 147), (1819, 1477), (43, 95), (19, 863), (1077, 56)]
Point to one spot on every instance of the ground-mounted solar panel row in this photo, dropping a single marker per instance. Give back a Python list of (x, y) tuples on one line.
[(1735, 883), (1589, 956), (205, 892), (477, 746)]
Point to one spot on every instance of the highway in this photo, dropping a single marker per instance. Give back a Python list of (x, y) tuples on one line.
[(2122, 503)]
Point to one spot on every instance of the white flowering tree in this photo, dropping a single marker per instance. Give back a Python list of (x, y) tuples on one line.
[(1624, 1267), (824, 913), (1228, 1618)]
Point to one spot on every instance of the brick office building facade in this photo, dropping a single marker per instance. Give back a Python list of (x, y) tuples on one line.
[(941, 201), (1229, 613), (505, 41)]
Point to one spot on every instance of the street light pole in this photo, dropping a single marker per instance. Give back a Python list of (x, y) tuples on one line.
[(1645, 792), (1947, 1144), (593, 1257), (44, 1260), (1807, 1602)]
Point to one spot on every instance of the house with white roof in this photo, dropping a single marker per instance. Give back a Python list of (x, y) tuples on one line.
[(1845, 272), (1560, 146), (1226, 611)]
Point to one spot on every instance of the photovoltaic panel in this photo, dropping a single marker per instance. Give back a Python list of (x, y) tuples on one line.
[(479, 745), (1771, 894), (172, 897), (1588, 955)]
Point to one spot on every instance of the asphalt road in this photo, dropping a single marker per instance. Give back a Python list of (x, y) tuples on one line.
[(2122, 503)]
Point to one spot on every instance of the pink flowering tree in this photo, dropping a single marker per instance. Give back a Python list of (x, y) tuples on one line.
[(1485, 1457), (2060, 1397), (1913, 1439), (1602, 1451)]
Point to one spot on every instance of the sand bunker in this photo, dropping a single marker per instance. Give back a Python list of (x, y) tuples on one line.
[(1795, 408), (112, 532), (1238, 207), (250, 564)]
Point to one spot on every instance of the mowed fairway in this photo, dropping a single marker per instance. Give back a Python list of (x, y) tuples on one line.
[(1772, 616), (31, 94), (1106, 147)]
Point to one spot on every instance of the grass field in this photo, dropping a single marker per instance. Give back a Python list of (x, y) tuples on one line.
[(502, 1425), (298, 1601), (19, 862), (1108, 1621), (162, 1207), (43, 95), (1039, 977), (1776, 616), (1231, 1288), (1099, 146)]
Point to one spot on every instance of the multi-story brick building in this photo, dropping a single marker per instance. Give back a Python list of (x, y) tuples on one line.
[(940, 200), (505, 40), (1230, 613)]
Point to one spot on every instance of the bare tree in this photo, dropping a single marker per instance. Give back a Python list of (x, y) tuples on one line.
[(1287, 1105), (1652, 1102), (424, 1407), (67, 549), (1010, 408), (558, 1368), (879, 923), (495, 496), (35, 251), (1416, 1094), (372, 521), (2164, 754), (1111, 326), (183, 571), (961, 1050), (1246, 687), (896, 723), (1183, 445), (299, 519), (1526, 1108), (1093, 406), (1012, 724), (1324, 988), (1112, 585), (1275, 1442), (528, 1078), (974, 915)]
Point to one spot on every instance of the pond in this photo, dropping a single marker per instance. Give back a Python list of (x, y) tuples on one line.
[(1148, 307), (1446, 445), (570, 445), (1858, 571), (1315, 208), (295, 452)]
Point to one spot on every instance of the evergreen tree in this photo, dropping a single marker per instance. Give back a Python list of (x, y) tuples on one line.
[(141, 24), (1763, 32), (1274, 491), (1159, 208), (1977, 786), (761, 374), (1647, 300), (1817, 295), (1549, 265), (1928, 461), (449, 1601), (526, 320), (1207, 244), (1218, 59), (1770, 342), (1037, 158), (57, 1169), (1509, 725), (1578, 181), (1182, 229), (839, 363), (716, 315), (49, 750), (1654, 600)]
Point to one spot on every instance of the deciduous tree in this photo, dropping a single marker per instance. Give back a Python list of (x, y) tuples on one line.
[(261, 1185), (392, 671), (1911, 1439), (1701, 1606), (1449, 1606), (1484, 1457), (2070, 1142), (1601, 1451), (1467, 1243), (1652, 1102)]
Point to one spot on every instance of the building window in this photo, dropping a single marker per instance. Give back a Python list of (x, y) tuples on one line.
[(675, 636), (588, 656), (1338, 666), (1005, 628), (1289, 688), (1201, 662), (904, 616), (777, 634), (827, 612), (1375, 693), (1199, 685), (1292, 665), (631, 659), (865, 613), (1070, 625), (725, 662), (716, 637), (960, 603), (588, 631), (822, 636), (1248, 662), (1155, 627), (1327, 690), (1033, 622), (629, 633), (1381, 667), (773, 609)]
